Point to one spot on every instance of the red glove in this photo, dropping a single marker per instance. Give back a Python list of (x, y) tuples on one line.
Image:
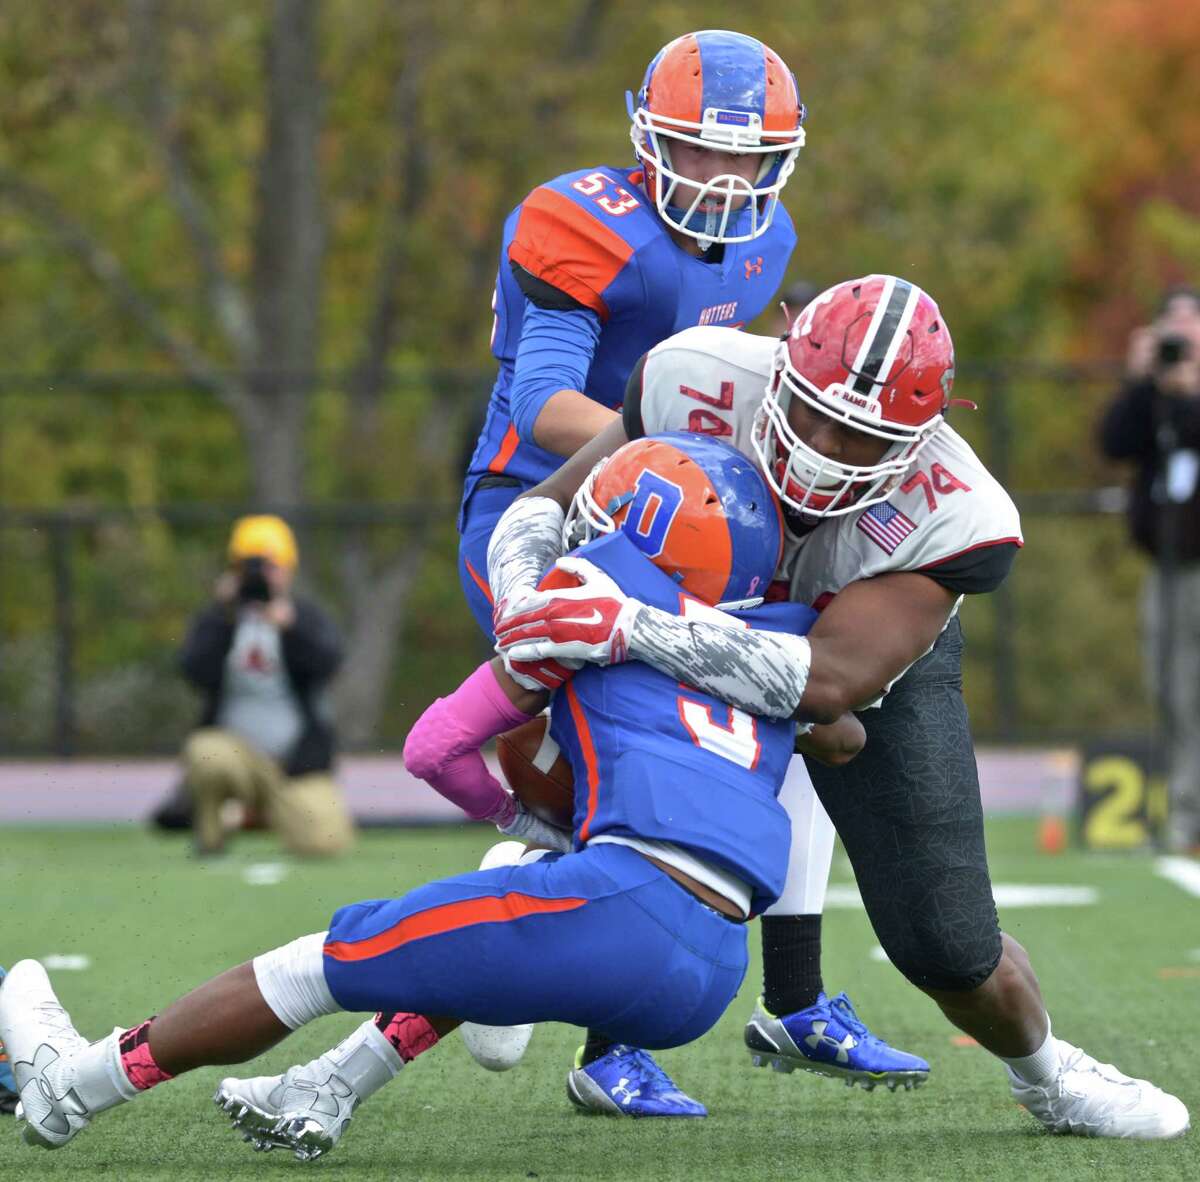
[(591, 622)]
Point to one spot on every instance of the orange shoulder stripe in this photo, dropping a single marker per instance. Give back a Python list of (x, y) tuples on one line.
[(562, 243)]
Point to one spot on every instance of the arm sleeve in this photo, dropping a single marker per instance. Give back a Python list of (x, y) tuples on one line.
[(631, 408), (975, 571), (762, 673), (312, 648), (555, 353)]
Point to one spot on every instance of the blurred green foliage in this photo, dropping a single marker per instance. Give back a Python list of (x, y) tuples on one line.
[(1043, 196)]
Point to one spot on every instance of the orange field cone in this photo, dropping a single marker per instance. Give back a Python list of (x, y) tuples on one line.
[(1052, 835)]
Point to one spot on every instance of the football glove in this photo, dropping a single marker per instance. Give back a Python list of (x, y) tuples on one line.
[(591, 622)]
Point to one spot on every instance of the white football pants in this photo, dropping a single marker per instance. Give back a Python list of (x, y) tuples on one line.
[(812, 845)]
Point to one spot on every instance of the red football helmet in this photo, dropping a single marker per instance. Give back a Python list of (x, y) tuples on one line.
[(874, 354)]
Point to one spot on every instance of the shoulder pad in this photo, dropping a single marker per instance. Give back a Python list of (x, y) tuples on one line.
[(562, 242)]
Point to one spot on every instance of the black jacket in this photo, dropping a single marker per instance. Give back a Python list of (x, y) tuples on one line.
[(1146, 426), (312, 652)]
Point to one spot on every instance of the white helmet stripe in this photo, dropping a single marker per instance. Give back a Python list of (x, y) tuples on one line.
[(885, 334)]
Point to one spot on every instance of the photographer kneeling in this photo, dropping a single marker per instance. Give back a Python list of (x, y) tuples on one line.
[(263, 661), (1155, 422)]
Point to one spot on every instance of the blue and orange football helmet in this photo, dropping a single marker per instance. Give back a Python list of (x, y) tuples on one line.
[(726, 92), (697, 507)]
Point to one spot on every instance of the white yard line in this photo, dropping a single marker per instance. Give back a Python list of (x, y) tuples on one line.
[(66, 962), (1006, 895), (264, 873), (1183, 872)]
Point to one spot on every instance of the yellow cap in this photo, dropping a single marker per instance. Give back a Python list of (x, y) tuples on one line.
[(263, 537)]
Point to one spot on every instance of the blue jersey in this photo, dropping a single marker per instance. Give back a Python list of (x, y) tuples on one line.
[(655, 759), (593, 236)]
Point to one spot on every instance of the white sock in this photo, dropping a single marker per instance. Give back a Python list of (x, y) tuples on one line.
[(292, 981), (366, 1060), (1039, 1069), (99, 1080)]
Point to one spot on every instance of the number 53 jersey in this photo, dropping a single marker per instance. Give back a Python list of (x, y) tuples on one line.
[(591, 242), (949, 518), (658, 762)]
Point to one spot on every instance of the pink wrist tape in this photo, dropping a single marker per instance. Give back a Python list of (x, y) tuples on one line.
[(443, 747)]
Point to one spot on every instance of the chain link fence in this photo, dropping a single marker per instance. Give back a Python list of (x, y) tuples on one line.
[(96, 592)]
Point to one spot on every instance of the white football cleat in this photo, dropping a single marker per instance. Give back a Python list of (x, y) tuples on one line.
[(1092, 1099), (305, 1110), (41, 1041), (308, 1108)]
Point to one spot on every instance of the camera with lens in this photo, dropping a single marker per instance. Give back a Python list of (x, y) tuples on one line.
[(252, 582), (1171, 351)]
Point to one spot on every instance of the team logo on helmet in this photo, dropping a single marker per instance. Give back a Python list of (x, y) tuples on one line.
[(726, 92), (698, 508)]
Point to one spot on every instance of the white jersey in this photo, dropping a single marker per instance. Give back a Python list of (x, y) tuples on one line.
[(946, 513)]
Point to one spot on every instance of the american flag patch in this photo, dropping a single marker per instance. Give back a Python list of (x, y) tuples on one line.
[(886, 526)]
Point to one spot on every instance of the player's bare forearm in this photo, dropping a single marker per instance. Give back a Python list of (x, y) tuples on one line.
[(564, 483), (869, 634), (568, 420), (834, 743), (525, 700)]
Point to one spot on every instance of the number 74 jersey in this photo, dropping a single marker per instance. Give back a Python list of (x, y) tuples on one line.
[(949, 518)]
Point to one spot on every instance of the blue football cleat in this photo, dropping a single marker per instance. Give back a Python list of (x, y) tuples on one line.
[(628, 1082), (830, 1039)]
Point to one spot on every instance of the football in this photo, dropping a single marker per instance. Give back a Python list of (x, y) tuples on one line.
[(538, 772)]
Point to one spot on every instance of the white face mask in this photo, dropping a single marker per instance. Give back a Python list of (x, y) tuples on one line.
[(814, 485), (756, 200)]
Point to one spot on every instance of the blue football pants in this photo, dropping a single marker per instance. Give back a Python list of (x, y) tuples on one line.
[(601, 938)]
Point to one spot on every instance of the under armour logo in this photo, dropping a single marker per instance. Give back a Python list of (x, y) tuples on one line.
[(753, 266), (622, 1092), (61, 1104), (820, 1038), (323, 1098)]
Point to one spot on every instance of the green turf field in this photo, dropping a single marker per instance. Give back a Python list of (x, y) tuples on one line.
[(1122, 978)]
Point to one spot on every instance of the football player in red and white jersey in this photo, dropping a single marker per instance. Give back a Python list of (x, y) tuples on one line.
[(893, 519)]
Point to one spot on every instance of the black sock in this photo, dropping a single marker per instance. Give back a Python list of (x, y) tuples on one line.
[(791, 962), (595, 1046)]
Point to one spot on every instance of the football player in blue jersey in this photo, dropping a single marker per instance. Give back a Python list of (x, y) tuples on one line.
[(638, 931), (599, 265)]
